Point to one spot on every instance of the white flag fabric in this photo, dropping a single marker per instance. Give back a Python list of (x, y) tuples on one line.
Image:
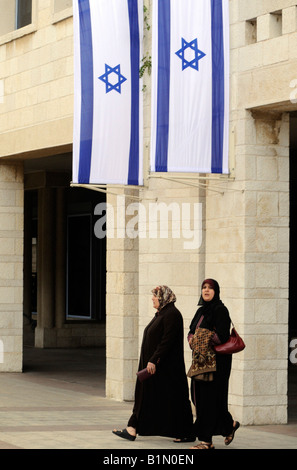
[(190, 86), (107, 140)]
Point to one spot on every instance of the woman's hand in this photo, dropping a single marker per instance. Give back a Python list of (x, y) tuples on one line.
[(151, 367), (190, 340)]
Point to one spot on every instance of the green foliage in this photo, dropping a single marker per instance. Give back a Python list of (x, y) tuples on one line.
[(146, 60)]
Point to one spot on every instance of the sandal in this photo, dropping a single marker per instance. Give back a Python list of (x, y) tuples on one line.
[(204, 445), (124, 434), (229, 439)]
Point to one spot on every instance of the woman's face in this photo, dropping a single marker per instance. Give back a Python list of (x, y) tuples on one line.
[(207, 292), (156, 303)]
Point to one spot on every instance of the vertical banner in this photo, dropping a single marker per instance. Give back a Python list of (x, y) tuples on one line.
[(108, 122), (190, 86)]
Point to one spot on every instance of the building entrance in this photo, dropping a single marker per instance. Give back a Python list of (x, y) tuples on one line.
[(64, 264)]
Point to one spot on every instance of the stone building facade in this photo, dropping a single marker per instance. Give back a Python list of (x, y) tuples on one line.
[(246, 223)]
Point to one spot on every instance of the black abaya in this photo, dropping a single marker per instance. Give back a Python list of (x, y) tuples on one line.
[(211, 398), (162, 406), (211, 401)]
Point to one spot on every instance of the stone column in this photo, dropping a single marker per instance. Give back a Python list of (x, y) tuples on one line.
[(11, 267), (172, 246), (265, 384), (44, 333), (121, 301), (60, 269), (247, 251), (28, 333)]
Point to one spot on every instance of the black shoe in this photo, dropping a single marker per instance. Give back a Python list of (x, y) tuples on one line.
[(125, 435)]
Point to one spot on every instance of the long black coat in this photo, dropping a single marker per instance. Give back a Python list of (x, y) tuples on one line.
[(162, 406)]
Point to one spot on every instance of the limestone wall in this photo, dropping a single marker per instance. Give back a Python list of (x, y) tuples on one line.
[(11, 267), (37, 80)]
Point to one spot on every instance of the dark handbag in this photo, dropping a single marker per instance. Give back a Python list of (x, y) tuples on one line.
[(143, 375), (234, 344)]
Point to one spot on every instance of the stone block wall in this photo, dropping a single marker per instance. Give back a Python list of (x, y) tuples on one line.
[(11, 267), (121, 299), (37, 79), (263, 64)]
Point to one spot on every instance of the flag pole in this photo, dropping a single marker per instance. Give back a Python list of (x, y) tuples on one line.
[(103, 189)]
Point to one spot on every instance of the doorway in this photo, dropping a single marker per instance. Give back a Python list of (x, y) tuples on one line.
[(82, 270), (75, 352)]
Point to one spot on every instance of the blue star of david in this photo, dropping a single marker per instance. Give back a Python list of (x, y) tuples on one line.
[(194, 64), (105, 78)]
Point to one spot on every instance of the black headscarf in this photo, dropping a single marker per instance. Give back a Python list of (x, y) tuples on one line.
[(207, 307), (215, 286)]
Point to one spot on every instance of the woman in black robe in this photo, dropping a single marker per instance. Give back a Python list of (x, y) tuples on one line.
[(162, 406), (211, 397)]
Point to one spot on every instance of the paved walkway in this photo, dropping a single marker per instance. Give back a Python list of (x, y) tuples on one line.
[(59, 403)]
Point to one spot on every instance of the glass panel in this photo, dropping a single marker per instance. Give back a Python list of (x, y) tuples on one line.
[(79, 266), (24, 13)]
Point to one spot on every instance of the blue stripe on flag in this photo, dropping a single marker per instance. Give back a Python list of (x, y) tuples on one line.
[(163, 85), (135, 59), (86, 57), (218, 86)]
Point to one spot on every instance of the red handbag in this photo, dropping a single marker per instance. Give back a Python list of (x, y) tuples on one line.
[(234, 344)]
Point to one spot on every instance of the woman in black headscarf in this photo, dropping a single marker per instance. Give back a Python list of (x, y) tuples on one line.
[(210, 391), (162, 406)]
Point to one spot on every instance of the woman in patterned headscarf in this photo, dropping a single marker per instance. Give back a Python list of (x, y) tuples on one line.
[(162, 406)]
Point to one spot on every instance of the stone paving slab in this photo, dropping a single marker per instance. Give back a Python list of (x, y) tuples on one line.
[(43, 410)]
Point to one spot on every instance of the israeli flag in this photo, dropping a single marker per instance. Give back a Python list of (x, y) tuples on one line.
[(108, 122), (190, 86)]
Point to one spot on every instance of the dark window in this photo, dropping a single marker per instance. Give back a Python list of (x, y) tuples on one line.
[(79, 266), (86, 258), (23, 13)]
